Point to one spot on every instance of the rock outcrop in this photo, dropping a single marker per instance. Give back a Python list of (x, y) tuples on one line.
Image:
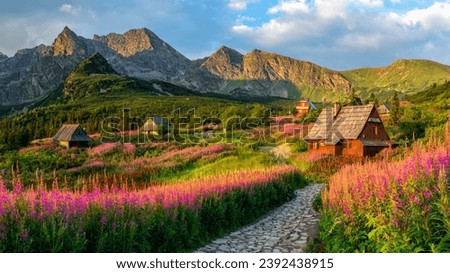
[(226, 63), (3, 56), (260, 73)]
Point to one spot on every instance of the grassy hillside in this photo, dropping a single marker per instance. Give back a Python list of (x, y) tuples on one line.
[(427, 113), (94, 112), (405, 76), (435, 94)]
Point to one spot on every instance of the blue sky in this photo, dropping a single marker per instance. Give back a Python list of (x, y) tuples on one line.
[(339, 34)]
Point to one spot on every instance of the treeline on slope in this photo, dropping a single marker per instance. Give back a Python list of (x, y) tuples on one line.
[(428, 112), (127, 111), (435, 93)]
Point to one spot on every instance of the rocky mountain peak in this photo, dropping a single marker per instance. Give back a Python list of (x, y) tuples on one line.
[(225, 62), (268, 66), (68, 43), (129, 43), (233, 55), (3, 56)]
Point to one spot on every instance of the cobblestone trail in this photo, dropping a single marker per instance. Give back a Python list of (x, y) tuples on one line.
[(285, 229)]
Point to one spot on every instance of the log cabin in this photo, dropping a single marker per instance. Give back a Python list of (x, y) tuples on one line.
[(155, 126), (303, 107), (72, 135), (348, 131)]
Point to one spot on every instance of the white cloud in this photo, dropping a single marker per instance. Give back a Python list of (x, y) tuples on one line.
[(68, 8), (361, 41), (242, 29), (290, 7), (19, 33), (330, 9), (345, 33), (240, 4), (435, 17)]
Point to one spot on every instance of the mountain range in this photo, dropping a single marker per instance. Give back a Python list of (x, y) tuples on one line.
[(33, 74)]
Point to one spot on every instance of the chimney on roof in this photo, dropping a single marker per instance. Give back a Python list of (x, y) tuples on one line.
[(448, 122), (336, 109)]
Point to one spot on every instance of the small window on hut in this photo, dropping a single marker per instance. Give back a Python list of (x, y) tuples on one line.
[(375, 130), (348, 145), (315, 145)]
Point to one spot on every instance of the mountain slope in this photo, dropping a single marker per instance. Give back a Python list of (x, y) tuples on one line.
[(142, 54), (261, 73), (438, 94), (405, 76), (94, 78), (96, 96), (226, 63), (33, 73)]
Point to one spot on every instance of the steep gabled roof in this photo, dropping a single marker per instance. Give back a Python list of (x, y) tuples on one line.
[(351, 121), (71, 132), (322, 129), (348, 124), (152, 124), (310, 103), (385, 108)]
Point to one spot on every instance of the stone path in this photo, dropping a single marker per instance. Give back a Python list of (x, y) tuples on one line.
[(285, 229)]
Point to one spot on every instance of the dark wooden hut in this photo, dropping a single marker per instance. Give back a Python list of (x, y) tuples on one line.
[(349, 131), (155, 126), (72, 135)]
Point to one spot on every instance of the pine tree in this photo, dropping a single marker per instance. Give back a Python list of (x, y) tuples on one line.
[(373, 99), (395, 109)]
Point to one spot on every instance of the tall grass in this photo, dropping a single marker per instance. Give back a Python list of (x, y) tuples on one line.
[(240, 159), (400, 206), (107, 218)]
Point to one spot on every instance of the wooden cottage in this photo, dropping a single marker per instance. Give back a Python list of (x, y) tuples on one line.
[(303, 107), (349, 131), (384, 109), (72, 135), (155, 126)]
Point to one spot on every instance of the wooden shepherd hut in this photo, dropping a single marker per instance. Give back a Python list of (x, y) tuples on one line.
[(304, 106), (384, 109), (349, 131), (72, 135), (155, 126)]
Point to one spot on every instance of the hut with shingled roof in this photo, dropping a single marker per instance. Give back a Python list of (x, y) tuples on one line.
[(72, 135), (155, 126), (304, 106), (348, 131)]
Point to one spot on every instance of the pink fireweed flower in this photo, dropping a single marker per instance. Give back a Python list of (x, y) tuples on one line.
[(377, 185), (395, 223), (17, 188), (69, 205), (24, 235), (96, 164), (102, 148), (103, 219), (128, 148)]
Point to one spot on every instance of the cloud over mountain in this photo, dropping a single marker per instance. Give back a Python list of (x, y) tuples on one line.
[(340, 34)]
